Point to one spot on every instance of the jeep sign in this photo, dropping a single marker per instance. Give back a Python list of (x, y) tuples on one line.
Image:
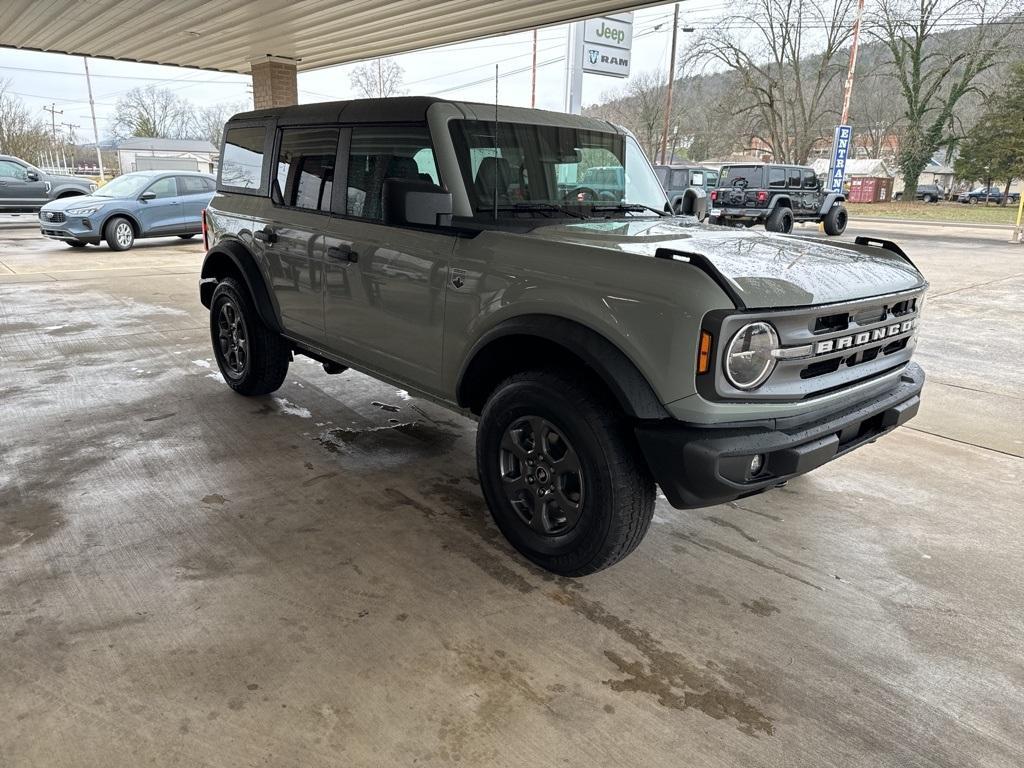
[(606, 45)]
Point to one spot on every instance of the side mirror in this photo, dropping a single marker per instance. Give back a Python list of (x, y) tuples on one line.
[(147, 196), (31, 175), (413, 201)]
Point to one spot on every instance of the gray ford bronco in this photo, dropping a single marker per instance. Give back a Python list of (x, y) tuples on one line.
[(603, 344)]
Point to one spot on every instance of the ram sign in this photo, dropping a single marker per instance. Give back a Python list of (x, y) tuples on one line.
[(607, 42)]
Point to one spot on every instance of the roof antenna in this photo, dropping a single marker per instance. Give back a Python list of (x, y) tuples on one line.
[(495, 142)]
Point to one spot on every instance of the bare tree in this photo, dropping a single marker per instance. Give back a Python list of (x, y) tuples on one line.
[(935, 72), (378, 79), (875, 111), (209, 121), (154, 113), (789, 56), (21, 134), (639, 106)]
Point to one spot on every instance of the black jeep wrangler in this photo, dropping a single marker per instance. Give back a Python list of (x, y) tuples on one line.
[(776, 196)]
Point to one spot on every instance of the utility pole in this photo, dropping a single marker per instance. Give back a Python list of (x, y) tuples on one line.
[(848, 87), (52, 109), (671, 79), (92, 111), (533, 75), (380, 79)]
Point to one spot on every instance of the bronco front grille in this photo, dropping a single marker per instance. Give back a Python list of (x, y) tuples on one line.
[(845, 344)]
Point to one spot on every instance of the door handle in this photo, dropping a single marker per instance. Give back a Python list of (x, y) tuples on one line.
[(342, 253), (265, 235)]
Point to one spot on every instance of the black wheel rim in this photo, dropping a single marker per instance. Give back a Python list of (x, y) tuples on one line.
[(231, 335), (841, 220), (541, 475)]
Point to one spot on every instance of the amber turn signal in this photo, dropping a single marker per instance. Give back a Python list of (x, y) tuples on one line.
[(704, 355)]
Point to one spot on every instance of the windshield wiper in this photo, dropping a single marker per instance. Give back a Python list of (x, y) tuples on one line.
[(542, 208), (633, 207)]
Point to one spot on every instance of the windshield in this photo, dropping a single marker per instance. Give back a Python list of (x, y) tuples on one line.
[(129, 185), (741, 176), (544, 166)]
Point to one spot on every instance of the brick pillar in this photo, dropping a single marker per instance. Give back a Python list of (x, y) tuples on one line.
[(274, 82)]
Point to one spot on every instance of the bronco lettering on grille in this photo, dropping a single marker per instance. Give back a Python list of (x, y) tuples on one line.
[(864, 337)]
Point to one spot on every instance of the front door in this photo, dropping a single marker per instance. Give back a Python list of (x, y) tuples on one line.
[(384, 305), (161, 213), (17, 190)]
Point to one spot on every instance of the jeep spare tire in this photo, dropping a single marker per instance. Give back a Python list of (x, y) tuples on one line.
[(835, 220), (780, 220), (562, 473)]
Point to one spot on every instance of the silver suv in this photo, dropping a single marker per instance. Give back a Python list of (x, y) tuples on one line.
[(603, 343)]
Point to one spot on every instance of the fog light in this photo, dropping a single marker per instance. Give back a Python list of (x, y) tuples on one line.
[(86, 224), (756, 465)]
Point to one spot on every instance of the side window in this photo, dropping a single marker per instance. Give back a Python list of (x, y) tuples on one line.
[(163, 188), (241, 163), (776, 177), (810, 179), (9, 170), (193, 185), (305, 167), (385, 152), (794, 177), (679, 179), (712, 179), (697, 178), (209, 184)]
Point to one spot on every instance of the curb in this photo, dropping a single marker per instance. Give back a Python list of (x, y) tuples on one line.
[(921, 223)]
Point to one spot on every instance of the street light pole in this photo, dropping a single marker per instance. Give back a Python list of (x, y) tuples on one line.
[(671, 79), (848, 87), (92, 111)]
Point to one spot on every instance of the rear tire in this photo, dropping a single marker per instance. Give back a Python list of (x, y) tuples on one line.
[(780, 220), (252, 358), (119, 234), (587, 499), (835, 220)]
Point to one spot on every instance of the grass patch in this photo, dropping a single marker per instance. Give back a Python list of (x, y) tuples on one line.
[(938, 212)]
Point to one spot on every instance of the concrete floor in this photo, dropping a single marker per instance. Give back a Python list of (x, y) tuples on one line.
[(189, 577)]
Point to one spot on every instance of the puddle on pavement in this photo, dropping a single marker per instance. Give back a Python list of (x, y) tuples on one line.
[(388, 445)]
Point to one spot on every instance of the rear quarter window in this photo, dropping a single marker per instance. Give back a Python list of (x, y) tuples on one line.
[(241, 165), (741, 175)]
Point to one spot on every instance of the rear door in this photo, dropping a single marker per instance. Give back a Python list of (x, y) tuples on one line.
[(17, 190), (302, 184), (160, 214), (384, 303), (196, 193)]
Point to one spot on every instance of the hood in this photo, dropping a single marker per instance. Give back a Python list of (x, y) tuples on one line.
[(766, 270), (77, 201), (56, 178)]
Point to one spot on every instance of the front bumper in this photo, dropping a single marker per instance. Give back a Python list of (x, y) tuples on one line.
[(84, 228), (698, 466)]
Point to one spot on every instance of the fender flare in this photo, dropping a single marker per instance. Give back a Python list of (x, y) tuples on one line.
[(624, 380), (775, 200), (239, 257), (830, 199)]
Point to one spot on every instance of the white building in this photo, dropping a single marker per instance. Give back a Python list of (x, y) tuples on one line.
[(141, 154)]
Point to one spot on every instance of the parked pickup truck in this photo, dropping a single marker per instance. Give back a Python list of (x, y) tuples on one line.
[(23, 187), (604, 346)]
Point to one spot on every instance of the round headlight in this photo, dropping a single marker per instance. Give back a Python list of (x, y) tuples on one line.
[(748, 358)]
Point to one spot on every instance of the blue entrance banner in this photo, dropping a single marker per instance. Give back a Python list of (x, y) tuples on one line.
[(840, 151)]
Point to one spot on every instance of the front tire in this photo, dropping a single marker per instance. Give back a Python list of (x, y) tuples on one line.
[(562, 474), (928, 199), (780, 220), (119, 234), (836, 220), (252, 358)]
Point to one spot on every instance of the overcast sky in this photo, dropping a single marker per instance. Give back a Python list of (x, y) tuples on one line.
[(464, 71)]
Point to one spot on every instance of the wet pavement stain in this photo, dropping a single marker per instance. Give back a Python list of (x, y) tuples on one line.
[(215, 498), (316, 479), (761, 607), (388, 445), (726, 524), (674, 681), (28, 521), (725, 549), (162, 416), (706, 591)]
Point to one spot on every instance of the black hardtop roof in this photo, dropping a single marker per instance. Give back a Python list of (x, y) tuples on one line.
[(395, 109), (741, 164)]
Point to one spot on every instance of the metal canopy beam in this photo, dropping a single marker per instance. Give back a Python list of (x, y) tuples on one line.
[(225, 35)]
